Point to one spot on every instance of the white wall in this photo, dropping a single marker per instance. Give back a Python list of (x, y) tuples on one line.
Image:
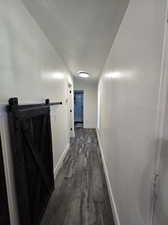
[(128, 98), (31, 70), (90, 101)]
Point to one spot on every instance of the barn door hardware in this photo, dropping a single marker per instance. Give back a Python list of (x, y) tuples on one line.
[(31, 145), (33, 108)]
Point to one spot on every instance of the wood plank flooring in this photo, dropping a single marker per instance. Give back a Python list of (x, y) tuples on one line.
[(80, 196)]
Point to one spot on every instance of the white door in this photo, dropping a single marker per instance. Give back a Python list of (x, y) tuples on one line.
[(70, 110), (161, 206), (160, 216)]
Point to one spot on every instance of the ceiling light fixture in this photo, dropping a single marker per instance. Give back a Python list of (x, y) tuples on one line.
[(83, 74)]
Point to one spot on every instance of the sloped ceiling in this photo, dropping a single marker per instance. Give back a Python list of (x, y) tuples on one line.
[(82, 31)]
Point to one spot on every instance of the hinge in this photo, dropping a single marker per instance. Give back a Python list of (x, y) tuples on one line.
[(155, 185), (154, 198)]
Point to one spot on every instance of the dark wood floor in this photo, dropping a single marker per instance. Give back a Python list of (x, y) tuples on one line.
[(80, 196)]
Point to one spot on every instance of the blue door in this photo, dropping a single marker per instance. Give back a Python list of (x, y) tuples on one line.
[(78, 107)]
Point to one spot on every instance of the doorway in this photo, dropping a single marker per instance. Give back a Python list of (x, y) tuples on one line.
[(70, 111), (78, 108)]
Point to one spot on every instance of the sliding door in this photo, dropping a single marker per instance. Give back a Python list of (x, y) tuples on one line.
[(30, 132)]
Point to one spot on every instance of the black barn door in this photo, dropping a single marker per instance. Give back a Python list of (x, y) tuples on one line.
[(4, 210), (30, 131)]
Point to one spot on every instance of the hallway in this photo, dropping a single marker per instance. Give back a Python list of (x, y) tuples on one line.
[(84, 106), (80, 196)]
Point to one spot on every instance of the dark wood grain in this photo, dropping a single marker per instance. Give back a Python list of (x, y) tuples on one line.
[(80, 196), (31, 146)]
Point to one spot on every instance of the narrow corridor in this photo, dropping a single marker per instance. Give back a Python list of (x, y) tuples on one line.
[(80, 196), (97, 68)]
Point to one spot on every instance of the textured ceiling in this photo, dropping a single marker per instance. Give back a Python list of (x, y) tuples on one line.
[(82, 31)]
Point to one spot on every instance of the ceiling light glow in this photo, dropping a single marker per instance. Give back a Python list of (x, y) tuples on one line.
[(114, 75), (53, 76)]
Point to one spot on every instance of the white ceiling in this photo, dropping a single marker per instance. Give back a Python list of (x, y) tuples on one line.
[(82, 31)]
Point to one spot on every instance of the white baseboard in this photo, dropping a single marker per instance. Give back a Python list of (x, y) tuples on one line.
[(60, 161), (112, 201)]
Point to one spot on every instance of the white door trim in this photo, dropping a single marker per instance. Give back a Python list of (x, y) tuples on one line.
[(161, 109)]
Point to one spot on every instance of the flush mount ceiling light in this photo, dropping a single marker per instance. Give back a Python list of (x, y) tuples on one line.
[(83, 74)]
